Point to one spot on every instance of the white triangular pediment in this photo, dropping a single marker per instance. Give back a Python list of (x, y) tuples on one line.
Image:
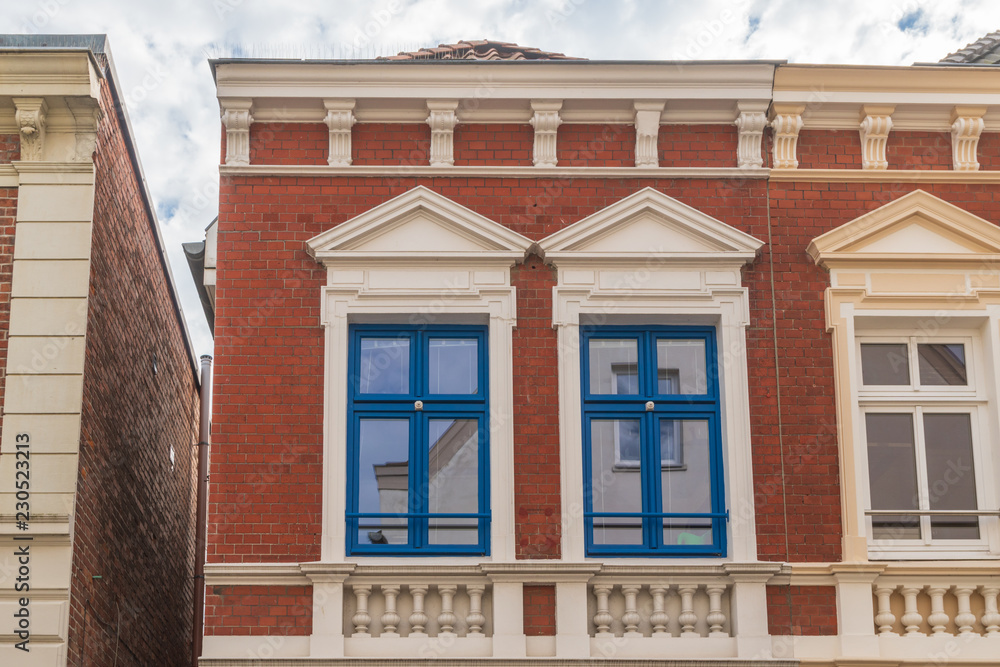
[(917, 226), (649, 224), (419, 224)]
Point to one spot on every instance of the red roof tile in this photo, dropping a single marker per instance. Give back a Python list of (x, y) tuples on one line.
[(482, 49)]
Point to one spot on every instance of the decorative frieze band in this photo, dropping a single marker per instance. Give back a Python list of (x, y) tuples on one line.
[(236, 117), (966, 126), (786, 124), (30, 117), (876, 123), (750, 123), (340, 119), (546, 122), (442, 120), (647, 133)]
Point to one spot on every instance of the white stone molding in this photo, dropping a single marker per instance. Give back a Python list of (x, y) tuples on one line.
[(650, 258), (86, 113), (30, 117), (340, 119), (419, 258), (237, 118), (786, 123), (966, 125), (647, 132), (442, 120), (546, 122), (876, 123), (750, 123), (501, 171)]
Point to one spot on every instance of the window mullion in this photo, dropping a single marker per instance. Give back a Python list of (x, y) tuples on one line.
[(923, 501)]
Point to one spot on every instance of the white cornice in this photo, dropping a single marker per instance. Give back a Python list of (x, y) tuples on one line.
[(400, 171), (553, 80), (885, 176), (49, 74)]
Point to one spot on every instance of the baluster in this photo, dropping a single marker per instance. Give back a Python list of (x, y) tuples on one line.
[(885, 619), (659, 618), (687, 617), (964, 619), (603, 618), (631, 617), (991, 619), (447, 618), (911, 618), (716, 619), (938, 619), (418, 619), (475, 619), (361, 617), (390, 619)]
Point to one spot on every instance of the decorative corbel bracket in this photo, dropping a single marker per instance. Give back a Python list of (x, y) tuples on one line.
[(546, 122), (340, 119), (647, 132), (750, 121), (86, 115), (30, 117), (442, 120), (876, 123), (237, 119), (786, 123), (967, 125)]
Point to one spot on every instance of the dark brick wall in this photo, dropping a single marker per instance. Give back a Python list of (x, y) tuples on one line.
[(10, 148), (8, 213), (539, 610), (258, 610), (133, 563), (802, 610)]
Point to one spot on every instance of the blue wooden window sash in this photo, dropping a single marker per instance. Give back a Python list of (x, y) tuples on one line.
[(401, 406), (672, 406)]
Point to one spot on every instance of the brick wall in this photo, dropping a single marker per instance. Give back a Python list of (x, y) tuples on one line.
[(989, 150), (500, 144), (391, 143), (134, 531), (918, 150), (289, 143), (596, 146), (830, 149), (8, 213), (802, 610), (696, 145), (539, 610), (10, 148), (537, 503), (258, 610)]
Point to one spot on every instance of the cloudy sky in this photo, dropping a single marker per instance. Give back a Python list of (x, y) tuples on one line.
[(160, 49)]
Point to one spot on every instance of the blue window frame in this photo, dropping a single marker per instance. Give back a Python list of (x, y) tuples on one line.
[(653, 478), (417, 454)]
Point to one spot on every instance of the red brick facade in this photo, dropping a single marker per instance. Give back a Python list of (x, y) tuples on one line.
[(268, 433), (258, 610), (802, 610), (539, 610), (8, 213), (133, 540)]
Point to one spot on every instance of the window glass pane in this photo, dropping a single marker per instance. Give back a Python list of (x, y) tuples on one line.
[(687, 488), (951, 477), (892, 474), (453, 479), (614, 487), (384, 366), (942, 363), (885, 363), (383, 479), (681, 367), (614, 366), (453, 367)]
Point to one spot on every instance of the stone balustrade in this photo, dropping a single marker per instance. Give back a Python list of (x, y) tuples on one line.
[(659, 609), (396, 610), (959, 607)]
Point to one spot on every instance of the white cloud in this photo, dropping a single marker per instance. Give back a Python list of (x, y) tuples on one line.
[(160, 50)]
